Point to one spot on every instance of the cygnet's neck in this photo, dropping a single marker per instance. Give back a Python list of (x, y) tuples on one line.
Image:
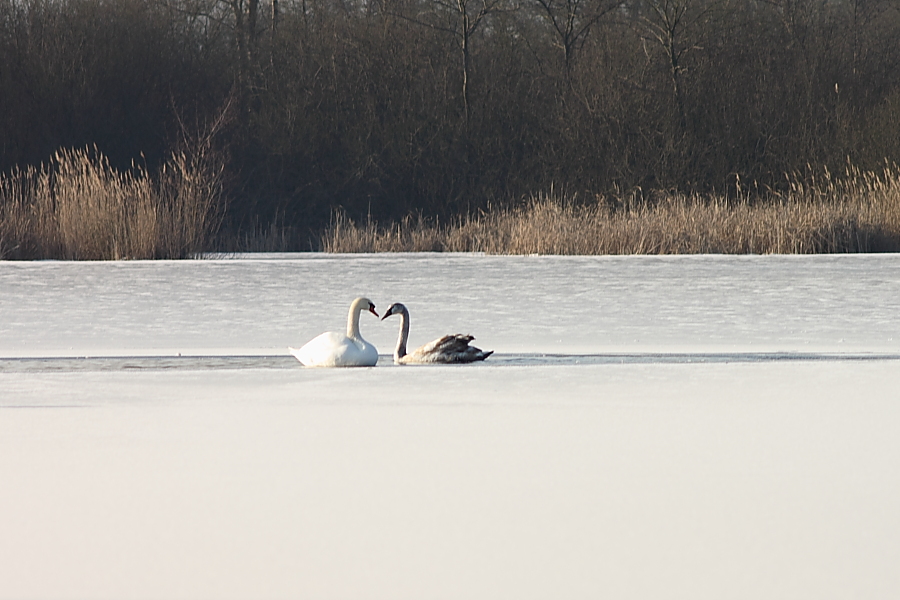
[(400, 352)]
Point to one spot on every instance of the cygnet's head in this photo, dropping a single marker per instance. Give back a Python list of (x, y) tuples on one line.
[(395, 309)]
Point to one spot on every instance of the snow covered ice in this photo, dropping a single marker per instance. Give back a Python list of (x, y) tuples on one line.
[(649, 427)]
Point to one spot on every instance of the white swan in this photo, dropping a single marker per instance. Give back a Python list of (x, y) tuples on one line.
[(448, 349), (332, 349)]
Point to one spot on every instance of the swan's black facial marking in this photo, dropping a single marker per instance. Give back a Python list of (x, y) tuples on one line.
[(372, 308)]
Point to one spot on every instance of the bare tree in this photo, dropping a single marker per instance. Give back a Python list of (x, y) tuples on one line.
[(246, 14), (673, 26), (572, 21), (461, 19), (239, 20)]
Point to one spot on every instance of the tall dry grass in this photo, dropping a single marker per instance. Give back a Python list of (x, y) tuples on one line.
[(77, 207), (412, 234), (858, 212)]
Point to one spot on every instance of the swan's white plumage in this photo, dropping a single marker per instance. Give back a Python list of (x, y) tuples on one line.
[(332, 349), (452, 348)]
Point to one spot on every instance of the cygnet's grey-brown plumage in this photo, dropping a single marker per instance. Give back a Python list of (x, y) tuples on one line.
[(453, 348)]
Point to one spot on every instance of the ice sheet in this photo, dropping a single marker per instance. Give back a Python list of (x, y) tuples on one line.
[(511, 304), (713, 437), (747, 480)]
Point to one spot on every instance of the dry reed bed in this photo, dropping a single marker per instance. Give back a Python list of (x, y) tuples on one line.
[(78, 207), (859, 212)]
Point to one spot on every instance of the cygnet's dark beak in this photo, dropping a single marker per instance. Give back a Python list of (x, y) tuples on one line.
[(386, 315)]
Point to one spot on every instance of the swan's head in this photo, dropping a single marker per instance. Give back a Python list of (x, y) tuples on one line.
[(365, 304), (395, 309)]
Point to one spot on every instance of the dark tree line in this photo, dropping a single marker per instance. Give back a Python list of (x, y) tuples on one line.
[(386, 107)]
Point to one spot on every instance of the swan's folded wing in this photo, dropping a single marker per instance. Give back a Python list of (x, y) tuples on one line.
[(449, 345), (448, 349)]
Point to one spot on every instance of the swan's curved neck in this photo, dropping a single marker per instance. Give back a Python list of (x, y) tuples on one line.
[(400, 352), (353, 321)]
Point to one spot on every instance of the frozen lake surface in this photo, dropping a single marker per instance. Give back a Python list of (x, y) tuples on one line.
[(649, 427)]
